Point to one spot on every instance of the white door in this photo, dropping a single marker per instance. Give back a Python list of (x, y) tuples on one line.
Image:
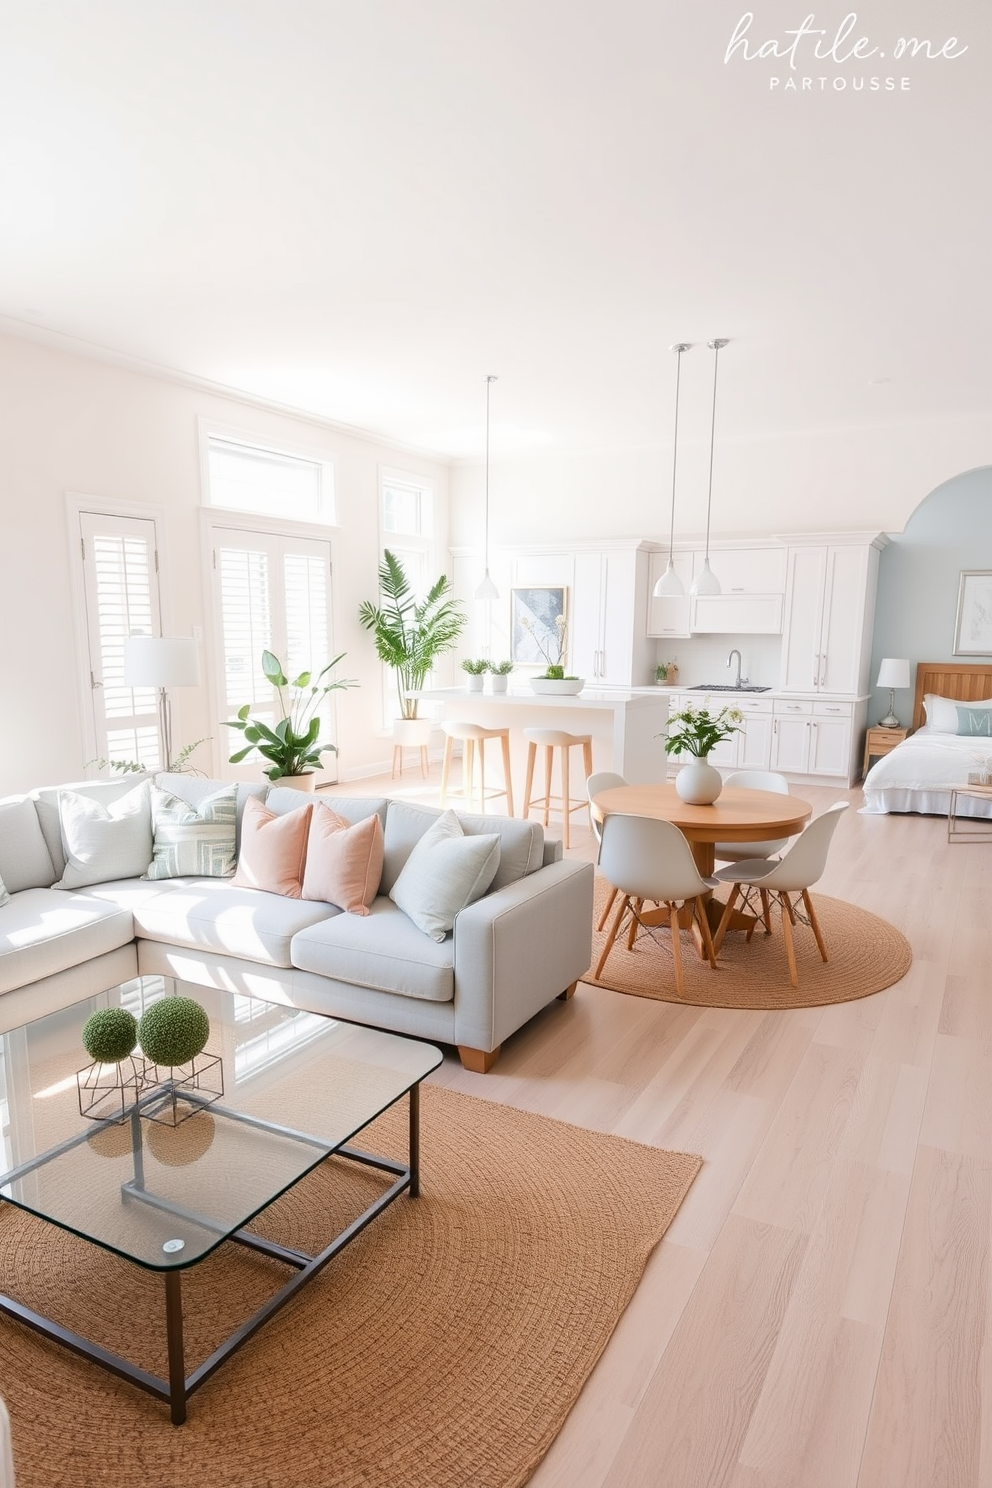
[(790, 745), (803, 615), (843, 619), (120, 587), (585, 617), (754, 751), (830, 746), (270, 592), (616, 653)]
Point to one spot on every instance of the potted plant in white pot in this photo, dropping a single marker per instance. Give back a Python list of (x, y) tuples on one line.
[(411, 636), (476, 673), (499, 675), (552, 644), (695, 731), (292, 746)]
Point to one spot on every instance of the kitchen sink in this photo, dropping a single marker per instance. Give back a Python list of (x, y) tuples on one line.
[(727, 687)]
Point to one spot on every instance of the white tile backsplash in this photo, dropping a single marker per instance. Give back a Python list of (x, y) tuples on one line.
[(703, 659)]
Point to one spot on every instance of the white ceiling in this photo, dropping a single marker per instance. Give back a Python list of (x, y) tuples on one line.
[(361, 207)]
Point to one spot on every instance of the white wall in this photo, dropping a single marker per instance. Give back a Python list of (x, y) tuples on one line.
[(845, 479), (68, 423)]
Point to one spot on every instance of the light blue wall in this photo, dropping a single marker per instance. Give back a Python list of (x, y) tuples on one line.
[(918, 577)]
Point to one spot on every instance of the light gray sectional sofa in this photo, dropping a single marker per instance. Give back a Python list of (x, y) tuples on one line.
[(513, 951)]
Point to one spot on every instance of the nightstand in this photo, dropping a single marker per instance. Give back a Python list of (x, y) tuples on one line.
[(880, 741)]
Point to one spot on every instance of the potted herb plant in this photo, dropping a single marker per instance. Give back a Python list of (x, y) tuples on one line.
[(666, 673), (476, 672), (695, 731), (292, 746), (553, 645), (411, 635), (499, 675)]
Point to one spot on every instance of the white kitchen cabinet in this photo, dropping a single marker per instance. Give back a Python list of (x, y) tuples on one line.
[(754, 742), (669, 618), (605, 642), (830, 745), (750, 570), (829, 604), (735, 614), (812, 738)]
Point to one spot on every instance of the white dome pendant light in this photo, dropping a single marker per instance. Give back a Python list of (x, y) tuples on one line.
[(670, 586), (487, 589), (707, 582)]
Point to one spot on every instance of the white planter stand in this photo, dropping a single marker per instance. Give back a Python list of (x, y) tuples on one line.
[(411, 733)]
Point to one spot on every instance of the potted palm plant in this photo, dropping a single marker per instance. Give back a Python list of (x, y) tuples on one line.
[(292, 746), (411, 635)]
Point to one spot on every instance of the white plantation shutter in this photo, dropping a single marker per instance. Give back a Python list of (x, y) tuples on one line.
[(271, 592), (120, 586)]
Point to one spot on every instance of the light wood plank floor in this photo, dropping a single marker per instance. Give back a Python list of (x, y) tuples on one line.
[(819, 1315)]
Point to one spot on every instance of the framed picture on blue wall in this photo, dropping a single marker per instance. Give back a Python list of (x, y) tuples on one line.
[(973, 626)]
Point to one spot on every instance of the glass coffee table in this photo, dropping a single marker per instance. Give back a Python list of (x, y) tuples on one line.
[(297, 1088)]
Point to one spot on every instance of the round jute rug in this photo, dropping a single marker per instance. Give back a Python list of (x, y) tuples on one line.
[(866, 954), (442, 1349)]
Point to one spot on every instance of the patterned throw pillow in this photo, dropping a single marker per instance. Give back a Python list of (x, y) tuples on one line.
[(4, 896), (196, 842), (976, 722)]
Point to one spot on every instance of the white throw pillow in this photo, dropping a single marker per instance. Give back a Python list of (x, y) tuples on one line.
[(445, 871), (100, 842), (942, 713), (194, 841)]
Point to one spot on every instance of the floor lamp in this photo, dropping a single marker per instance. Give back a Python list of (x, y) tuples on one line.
[(161, 662)]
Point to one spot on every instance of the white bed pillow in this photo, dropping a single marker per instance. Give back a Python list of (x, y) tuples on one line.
[(445, 871), (942, 713), (102, 843)]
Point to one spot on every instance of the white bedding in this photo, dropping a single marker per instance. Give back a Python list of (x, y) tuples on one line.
[(919, 773)]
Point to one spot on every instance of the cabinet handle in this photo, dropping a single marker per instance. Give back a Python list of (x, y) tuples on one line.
[(823, 671), (816, 670)]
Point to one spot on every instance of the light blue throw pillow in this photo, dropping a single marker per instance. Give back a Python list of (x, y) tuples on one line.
[(976, 722)]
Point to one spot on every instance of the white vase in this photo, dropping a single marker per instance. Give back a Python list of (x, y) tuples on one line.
[(557, 686), (698, 784), (498, 681), (476, 684)]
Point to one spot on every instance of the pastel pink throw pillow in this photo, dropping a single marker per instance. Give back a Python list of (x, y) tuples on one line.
[(273, 849), (344, 861)]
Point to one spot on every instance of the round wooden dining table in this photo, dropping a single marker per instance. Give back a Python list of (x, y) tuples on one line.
[(737, 815)]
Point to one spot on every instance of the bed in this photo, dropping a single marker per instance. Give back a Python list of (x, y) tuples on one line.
[(921, 772)]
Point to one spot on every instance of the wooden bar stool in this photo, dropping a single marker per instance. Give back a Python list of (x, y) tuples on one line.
[(471, 735), (549, 740)]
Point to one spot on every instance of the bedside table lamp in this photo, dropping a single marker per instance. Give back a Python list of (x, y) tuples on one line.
[(893, 673), (161, 662)]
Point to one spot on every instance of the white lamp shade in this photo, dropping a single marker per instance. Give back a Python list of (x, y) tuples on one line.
[(161, 661), (487, 589), (893, 672), (669, 586), (706, 581)]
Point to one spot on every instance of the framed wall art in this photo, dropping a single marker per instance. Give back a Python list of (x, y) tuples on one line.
[(973, 626), (536, 637)]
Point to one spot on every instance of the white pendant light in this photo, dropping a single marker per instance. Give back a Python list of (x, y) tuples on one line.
[(707, 581), (487, 589), (670, 586)]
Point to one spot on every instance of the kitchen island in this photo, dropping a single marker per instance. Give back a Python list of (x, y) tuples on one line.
[(624, 723)]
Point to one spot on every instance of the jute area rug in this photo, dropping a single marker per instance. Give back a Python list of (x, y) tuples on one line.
[(442, 1349), (866, 954)]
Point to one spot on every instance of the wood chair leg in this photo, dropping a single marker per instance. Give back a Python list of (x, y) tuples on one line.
[(721, 929), (704, 926), (549, 757), (449, 745), (609, 905), (425, 768), (611, 937), (529, 780), (397, 760), (479, 1061), (766, 911), (815, 924), (673, 916), (587, 758), (481, 754), (636, 907), (468, 769), (790, 950), (504, 740), (566, 799)]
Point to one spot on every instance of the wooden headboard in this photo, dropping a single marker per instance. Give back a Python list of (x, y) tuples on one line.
[(964, 681)]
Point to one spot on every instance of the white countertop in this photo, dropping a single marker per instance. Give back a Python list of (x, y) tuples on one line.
[(606, 698)]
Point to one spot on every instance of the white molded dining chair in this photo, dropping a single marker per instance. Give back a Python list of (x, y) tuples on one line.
[(739, 852), (788, 876), (649, 859), (602, 780)]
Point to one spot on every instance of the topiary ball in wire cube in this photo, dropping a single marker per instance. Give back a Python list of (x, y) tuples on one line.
[(173, 1031), (110, 1035)]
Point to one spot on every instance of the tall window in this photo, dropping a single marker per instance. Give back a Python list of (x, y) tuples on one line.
[(249, 478), (271, 591), (121, 595)]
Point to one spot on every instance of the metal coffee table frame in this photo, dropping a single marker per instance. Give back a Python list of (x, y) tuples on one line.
[(179, 1386)]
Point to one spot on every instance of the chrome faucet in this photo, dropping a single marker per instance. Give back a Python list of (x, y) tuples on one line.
[(735, 652)]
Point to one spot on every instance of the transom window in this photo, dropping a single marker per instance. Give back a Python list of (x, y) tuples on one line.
[(266, 482)]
